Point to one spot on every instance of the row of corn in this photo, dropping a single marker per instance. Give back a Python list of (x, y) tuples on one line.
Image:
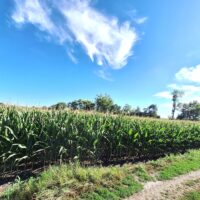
[(33, 137)]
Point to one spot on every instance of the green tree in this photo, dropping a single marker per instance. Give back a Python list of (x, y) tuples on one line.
[(189, 111), (151, 111), (127, 109), (103, 103), (81, 105), (73, 105), (176, 95), (138, 111), (59, 106), (116, 109), (86, 105)]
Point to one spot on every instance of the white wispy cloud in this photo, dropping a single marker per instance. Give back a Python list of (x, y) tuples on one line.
[(70, 53), (105, 40), (141, 20), (191, 91), (133, 15), (102, 74), (32, 12), (37, 13), (189, 74), (187, 89), (164, 94), (102, 37)]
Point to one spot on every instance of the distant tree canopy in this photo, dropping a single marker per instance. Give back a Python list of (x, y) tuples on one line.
[(59, 106), (127, 110), (116, 109), (81, 105), (137, 111), (189, 111), (105, 104), (176, 94), (151, 111)]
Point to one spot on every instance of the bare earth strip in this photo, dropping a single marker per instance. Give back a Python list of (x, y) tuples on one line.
[(168, 190)]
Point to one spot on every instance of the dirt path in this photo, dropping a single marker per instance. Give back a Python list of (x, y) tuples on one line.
[(168, 190)]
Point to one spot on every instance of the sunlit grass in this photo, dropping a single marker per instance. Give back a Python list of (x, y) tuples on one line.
[(180, 165), (98, 183), (195, 195)]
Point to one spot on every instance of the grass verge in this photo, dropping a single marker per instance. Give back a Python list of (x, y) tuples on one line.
[(75, 182), (100, 183), (179, 165), (195, 195)]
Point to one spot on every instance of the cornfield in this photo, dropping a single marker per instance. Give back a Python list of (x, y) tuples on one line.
[(32, 137)]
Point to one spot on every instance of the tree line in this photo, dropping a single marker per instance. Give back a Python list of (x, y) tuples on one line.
[(105, 104), (187, 111)]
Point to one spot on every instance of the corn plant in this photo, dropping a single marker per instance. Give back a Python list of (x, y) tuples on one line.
[(34, 137)]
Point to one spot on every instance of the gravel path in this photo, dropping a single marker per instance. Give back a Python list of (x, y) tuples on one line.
[(168, 190)]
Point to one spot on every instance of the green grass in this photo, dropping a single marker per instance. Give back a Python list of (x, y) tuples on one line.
[(126, 188), (142, 174), (191, 196), (194, 194), (101, 183), (180, 165), (71, 181), (192, 183)]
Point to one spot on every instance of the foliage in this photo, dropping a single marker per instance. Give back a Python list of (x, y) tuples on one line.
[(103, 103), (32, 137), (189, 111), (185, 164), (195, 195), (72, 181), (127, 187), (127, 110), (76, 182), (81, 105), (176, 94), (142, 174), (59, 106), (151, 111), (116, 109)]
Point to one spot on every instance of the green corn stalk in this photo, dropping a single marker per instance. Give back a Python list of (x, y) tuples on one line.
[(34, 137)]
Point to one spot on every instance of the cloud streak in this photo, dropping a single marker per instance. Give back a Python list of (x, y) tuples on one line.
[(37, 13), (106, 41), (182, 77), (141, 20), (102, 74), (165, 95), (189, 74)]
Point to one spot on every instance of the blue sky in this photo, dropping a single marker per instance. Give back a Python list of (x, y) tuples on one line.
[(137, 51)]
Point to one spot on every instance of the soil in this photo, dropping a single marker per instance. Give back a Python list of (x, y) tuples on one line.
[(168, 190)]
